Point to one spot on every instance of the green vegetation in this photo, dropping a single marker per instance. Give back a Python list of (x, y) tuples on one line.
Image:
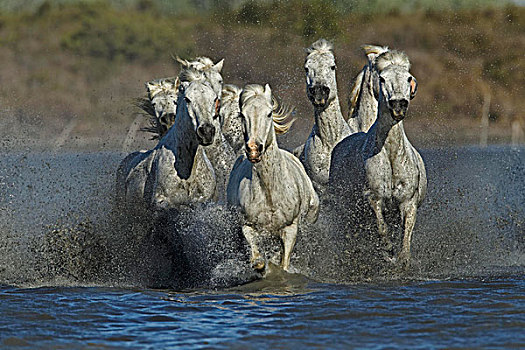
[(90, 58)]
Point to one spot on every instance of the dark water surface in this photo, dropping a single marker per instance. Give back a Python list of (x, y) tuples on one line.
[(75, 273), (284, 315)]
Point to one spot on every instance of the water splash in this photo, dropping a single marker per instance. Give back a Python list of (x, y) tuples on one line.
[(59, 226)]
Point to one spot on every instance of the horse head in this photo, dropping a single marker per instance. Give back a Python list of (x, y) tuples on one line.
[(202, 105), (320, 68), (211, 71), (395, 85), (162, 94), (263, 116)]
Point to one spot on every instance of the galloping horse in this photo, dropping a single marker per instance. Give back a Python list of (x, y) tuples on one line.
[(330, 126), (177, 171), (381, 166), (269, 184)]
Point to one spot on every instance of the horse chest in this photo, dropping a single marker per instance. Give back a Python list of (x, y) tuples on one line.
[(271, 209)]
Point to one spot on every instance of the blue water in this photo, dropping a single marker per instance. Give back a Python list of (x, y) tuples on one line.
[(286, 314), (74, 277)]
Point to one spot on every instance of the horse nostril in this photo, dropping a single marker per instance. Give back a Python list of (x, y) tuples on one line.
[(206, 131), (325, 90), (260, 148), (398, 104)]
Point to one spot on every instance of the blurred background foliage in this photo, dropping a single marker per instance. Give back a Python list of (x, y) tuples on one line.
[(66, 59)]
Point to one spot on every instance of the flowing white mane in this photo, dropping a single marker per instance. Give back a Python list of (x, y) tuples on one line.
[(393, 57), (281, 112)]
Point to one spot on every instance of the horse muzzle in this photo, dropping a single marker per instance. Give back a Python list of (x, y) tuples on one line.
[(318, 95), (254, 152), (205, 134), (398, 109)]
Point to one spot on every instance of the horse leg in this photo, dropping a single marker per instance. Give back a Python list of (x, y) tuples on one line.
[(256, 259), (288, 237), (377, 206), (408, 213)]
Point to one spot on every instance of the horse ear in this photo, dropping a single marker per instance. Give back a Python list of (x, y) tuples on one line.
[(267, 91), (372, 51), (218, 65), (413, 87), (183, 63)]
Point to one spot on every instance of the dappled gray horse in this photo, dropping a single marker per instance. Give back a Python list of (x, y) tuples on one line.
[(330, 126), (177, 171), (269, 185), (231, 120), (362, 103), (381, 165)]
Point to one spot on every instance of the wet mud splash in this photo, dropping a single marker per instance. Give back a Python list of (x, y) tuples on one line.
[(59, 226)]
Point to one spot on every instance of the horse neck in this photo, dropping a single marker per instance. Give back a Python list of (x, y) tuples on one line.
[(269, 168), (367, 103), (182, 141), (385, 133), (330, 123)]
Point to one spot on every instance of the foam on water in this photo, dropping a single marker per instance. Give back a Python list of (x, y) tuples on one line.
[(59, 226)]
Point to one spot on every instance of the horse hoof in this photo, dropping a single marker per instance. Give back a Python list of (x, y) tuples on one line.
[(388, 257), (404, 260), (258, 264)]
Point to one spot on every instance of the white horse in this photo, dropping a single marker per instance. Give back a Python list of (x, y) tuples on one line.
[(177, 171), (160, 105), (330, 126), (362, 104), (211, 71), (381, 166), (269, 184)]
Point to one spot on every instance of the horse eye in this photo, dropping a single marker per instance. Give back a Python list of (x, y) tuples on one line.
[(381, 79), (333, 67), (187, 100), (306, 70), (270, 115), (409, 79)]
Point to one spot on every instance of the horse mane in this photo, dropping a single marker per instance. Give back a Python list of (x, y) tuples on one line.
[(355, 92), (230, 93), (320, 46), (371, 52), (147, 109), (280, 112), (190, 74), (389, 58)]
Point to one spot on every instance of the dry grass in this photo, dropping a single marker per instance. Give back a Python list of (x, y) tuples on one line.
[(89, 63)]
